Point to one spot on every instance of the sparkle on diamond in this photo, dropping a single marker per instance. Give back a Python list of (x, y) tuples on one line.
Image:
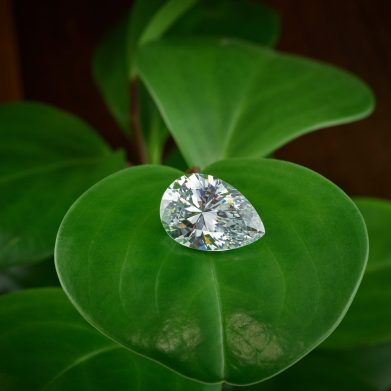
[(206, 213)]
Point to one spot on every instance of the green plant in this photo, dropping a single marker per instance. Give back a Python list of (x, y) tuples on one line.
[(185, 69)]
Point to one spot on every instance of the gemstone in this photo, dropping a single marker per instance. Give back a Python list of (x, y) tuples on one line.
[(205, 213)]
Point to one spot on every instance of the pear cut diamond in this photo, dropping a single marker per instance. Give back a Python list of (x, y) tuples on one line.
[(205, 213)]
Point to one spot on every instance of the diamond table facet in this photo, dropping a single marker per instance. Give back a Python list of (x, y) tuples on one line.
[(205, 213)]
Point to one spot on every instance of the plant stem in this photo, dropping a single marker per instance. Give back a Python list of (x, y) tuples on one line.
[(193, 170), (137, 137)]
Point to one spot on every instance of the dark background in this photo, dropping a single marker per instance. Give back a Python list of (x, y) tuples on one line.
[(46, 48)]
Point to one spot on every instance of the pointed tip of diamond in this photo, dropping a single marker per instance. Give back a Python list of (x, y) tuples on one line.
[(205, 213)]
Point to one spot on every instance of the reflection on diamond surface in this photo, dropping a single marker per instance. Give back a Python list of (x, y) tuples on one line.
[(205, 213)]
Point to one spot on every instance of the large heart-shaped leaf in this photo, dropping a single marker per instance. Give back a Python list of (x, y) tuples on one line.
[(368, 321), (47, 159), (365, 369), (223, 98), (46, 345), (240, 316)]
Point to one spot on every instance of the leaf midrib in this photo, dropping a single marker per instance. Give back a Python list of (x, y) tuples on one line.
[(240, 109), (216, 285)]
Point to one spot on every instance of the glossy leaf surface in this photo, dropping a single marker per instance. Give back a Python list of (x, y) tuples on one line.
[(365, 369), (368, 321), (240, 316), (47, 159), (223, 99), (46, 345)]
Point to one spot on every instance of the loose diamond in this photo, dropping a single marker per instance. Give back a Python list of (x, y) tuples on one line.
[(206, 213)]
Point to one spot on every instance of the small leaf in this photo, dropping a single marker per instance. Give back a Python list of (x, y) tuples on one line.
[(247, 20), (239, 100), (47, 159), (164, 18), (368, 321), (46, 345), (365, 369), (239, 316)]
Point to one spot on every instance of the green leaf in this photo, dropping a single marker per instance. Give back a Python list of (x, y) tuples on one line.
[(222, 98), (251, 21), (46, 345), (28, 276), (247, 20), (368, 321), (47, 159), (366, 369), (239, 316), (164, 18)]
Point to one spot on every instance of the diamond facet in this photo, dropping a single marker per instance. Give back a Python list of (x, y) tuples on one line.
[(205, 213)]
